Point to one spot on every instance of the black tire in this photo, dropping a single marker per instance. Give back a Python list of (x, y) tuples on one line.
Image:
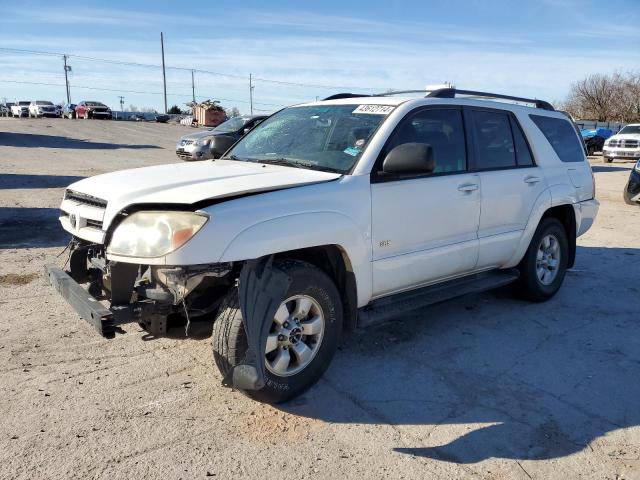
[(529, 285), (230, 341), (606, 159)]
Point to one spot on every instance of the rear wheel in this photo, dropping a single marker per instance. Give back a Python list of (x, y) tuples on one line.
[(543, 267), (302, 339)]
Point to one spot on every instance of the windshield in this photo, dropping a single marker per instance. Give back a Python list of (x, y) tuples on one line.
[(43, 102), (322, 137), (231, 125), (94, 104), (630, 129), (22, 104)]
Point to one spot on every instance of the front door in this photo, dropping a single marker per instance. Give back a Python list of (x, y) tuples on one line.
[(424, 228)]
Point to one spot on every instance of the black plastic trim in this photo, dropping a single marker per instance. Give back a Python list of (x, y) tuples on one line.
[(452, 92)]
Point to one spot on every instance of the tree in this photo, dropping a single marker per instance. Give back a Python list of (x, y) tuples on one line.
[(133, 108), (601, 97), (233, 112), (175, 110)]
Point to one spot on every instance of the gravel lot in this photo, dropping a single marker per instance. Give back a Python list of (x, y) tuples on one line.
[(481, 387)]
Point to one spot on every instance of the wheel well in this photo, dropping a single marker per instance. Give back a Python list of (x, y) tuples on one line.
[(567, 217), (334, 261)]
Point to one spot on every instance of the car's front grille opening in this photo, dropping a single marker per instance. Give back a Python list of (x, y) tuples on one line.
[(85, 199)]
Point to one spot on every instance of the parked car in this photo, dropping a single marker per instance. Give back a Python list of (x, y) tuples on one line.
[(594, 139), (89, 110), (623, 145), (42, 108), (162, 118), (5, 109), (69, 111), (59, 109), (20, 108), (632, 189), (137, 117), (328, 216), (212, 143)]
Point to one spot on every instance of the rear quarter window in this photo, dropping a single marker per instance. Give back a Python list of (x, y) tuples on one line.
[(562, 137)]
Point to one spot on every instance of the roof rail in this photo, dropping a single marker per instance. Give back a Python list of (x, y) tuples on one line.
[(338, 96), (452, 92)]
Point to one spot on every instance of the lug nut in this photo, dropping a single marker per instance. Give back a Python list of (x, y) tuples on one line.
[(285, 324), (280, 337)]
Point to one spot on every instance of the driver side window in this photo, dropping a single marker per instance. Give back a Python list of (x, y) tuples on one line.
[(443, 129)]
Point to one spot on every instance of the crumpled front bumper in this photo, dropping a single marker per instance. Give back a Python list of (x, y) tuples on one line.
[(103, 319)]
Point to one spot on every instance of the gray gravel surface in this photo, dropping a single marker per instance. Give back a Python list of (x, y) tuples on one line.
[(484, 386)]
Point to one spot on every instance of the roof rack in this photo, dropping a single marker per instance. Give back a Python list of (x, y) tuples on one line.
[(338, 96), (452, 92)]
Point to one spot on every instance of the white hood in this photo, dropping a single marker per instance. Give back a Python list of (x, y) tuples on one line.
[(188, 183), (625, 136)]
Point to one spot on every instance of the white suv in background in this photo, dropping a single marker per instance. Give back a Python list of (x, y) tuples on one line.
[(20, 108), (328, 216), (42, 108), (624, 145)]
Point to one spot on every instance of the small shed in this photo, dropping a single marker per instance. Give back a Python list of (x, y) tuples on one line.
[(208, 113)]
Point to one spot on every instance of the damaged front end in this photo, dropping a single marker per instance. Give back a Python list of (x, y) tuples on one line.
[(155, 297)]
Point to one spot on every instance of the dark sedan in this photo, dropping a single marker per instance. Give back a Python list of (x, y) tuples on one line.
[(89, 110), (632, 190)]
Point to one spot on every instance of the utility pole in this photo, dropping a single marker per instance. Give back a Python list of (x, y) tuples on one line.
[(164, 75), (251, 87), (121, 103), (67, 69), (193, 88)]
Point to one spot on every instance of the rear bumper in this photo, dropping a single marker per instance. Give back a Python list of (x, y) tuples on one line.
[(586, 212)]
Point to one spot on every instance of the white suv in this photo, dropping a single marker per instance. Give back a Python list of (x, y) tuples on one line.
[(328, 216), (624, 145)]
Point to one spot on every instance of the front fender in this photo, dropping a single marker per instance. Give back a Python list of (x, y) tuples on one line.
[(305, 230)]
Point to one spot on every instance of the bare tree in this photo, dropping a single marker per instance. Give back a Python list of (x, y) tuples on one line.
[(601, 97)]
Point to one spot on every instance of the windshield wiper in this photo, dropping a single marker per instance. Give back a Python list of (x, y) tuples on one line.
[(288, 162)]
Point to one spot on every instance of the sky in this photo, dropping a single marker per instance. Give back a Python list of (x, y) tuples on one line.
[(297, 50)]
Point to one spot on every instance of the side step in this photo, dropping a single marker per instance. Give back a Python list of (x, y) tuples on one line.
[(387, 308)]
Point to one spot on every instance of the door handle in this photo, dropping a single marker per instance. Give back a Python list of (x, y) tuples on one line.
[(468, 187), (531, 179)]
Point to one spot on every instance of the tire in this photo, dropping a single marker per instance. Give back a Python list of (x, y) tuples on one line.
[(606, 159), (530, 285), (230, 341)]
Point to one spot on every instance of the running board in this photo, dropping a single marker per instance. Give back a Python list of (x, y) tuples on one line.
[(391, 307)]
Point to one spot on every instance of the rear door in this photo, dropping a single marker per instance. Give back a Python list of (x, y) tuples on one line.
[(510, 182), (424, 227)]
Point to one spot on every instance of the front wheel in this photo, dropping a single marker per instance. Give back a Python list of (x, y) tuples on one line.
[(302, 340), (543, 267)]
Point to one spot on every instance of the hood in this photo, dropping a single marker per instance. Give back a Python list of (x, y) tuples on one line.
[(189, 183), (198, 134), (625, 136)]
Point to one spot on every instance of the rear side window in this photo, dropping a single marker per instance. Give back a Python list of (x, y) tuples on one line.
[(493, 139), (523, 154), (562, 137)]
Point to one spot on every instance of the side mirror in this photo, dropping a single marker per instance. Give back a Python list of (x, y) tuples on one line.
[(409, 158), (220, 144)]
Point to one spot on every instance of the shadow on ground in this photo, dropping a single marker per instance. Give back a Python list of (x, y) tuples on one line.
[(30, 228), (32, 140), (491, 376), (25, 181)]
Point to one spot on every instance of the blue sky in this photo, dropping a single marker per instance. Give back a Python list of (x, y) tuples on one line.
[(528, 48)]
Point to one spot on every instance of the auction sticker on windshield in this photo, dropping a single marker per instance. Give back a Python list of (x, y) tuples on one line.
[(374, 109)]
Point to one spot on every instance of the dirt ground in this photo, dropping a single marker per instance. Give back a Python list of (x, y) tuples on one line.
[(484, 387)]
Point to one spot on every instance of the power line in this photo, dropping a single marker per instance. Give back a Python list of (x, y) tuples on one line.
[(20, 82), (209, 72)]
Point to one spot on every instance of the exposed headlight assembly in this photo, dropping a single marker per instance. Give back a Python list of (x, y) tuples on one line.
[(154, 234)]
